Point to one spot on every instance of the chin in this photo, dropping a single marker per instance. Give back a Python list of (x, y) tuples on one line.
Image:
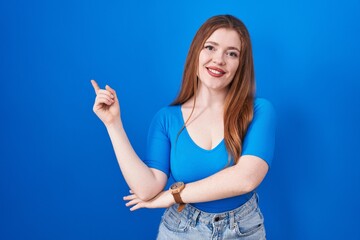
[(215, 87)]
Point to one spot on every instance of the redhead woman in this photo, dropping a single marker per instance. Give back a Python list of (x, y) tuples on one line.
[(216, 140)]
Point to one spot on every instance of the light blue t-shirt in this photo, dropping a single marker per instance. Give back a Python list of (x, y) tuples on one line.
[(187, 162)]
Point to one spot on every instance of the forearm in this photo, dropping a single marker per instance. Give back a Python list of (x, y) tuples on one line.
[(221, 185), (230, 182), (138, 176), (242, 178)]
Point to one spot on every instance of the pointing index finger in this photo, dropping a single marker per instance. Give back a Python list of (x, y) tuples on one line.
[(95, 86)]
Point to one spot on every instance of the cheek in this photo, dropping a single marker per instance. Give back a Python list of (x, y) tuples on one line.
[(203, 57), (202, 62), (234, 67)]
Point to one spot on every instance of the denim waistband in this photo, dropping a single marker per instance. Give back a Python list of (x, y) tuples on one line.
[(195, 215)]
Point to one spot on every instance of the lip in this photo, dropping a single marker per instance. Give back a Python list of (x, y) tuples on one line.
[(219, 72)]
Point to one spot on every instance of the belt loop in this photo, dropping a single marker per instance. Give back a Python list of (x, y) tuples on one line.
[(195, 217), (255, 195), (232, 220)]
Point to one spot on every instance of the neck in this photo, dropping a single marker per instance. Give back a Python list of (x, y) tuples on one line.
[(209, 98)]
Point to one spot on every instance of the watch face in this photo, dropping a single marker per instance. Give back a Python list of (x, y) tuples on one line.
[(176, 185)]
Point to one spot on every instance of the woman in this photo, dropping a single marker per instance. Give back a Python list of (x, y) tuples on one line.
[(216, 139)]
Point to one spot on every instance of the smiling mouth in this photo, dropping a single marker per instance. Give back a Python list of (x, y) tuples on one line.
[(215, 72)]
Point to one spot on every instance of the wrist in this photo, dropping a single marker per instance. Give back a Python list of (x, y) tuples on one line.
[(116, 125), (175, 190), (172, 200)]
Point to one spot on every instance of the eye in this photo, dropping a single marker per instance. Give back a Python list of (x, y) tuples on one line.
[(233, 54), (209, 47)]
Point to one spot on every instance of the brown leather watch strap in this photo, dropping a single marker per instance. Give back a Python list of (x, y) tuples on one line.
[(176, 189), (177, 198), (181, 207)]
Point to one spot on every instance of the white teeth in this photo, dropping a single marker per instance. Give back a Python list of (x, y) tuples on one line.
[(214, 71)]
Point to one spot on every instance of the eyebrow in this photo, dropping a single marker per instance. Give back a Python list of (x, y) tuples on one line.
[(216, 44)]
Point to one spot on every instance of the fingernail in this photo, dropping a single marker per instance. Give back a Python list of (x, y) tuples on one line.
[(112, 96)]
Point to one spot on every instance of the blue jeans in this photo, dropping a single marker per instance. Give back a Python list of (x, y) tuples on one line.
[(245, 222)]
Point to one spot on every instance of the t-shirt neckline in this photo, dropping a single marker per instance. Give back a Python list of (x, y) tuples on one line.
[(190, 138)]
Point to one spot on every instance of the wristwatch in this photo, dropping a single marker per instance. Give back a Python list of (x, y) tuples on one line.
[(176, 189)]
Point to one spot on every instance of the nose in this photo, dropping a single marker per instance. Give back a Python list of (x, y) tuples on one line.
[(218, 58)]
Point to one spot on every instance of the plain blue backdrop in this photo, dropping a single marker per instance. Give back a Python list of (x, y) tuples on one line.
[(59, 178)]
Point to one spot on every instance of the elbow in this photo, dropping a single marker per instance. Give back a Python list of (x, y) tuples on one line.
[(245, 187), (145, 198), (145, 195), (250, 187), (148, 192)]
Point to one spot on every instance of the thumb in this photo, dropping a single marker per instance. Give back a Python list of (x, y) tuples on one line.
[(107, 87)]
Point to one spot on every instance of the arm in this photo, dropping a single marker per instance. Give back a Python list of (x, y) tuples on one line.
[(236, 180), (239, 179), (144, 181)]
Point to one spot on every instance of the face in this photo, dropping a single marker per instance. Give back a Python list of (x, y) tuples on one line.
[(219, 59)]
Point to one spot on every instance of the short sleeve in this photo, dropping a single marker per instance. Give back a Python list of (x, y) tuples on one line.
[(260, 137), (158, 144)]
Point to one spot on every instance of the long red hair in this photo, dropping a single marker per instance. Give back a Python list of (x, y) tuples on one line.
[(238, 107)]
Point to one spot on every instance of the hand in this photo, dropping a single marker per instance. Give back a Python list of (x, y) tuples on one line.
[(106, 105), (162, 200)]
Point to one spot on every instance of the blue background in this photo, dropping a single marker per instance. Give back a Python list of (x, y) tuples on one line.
[(59, 178)]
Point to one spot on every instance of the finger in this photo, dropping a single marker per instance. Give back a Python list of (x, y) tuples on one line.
[(106, 92), (95, 86), (104, 100), (104, 95), (131, 191), (129, 197), (137, 206), (107, 87), (133, 202)]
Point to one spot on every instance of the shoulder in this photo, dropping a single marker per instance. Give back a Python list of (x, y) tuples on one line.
[(263, 104), (262, 107), (166, 115), (260, 136), (167, 112), (264, 112)]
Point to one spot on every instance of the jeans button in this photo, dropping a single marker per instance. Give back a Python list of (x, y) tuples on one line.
[(216, 219)]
